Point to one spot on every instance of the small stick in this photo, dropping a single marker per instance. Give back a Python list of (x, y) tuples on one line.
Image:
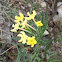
[(7, 50)]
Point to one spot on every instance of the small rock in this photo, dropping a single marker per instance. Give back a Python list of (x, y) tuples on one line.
[(46, 33), (43, 4), (22, 7), (29, 5)]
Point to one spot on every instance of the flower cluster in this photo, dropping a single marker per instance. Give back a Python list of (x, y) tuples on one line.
[(21, 24), (28, 40)]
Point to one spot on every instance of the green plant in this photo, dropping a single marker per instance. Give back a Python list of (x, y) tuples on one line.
[(30, 32)]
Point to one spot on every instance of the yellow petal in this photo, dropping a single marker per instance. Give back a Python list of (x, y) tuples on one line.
[(20, 40), (13, 30), (32, 45), (19, 35), (21, 14), (16, 17), (28, 13), (34, 12), (38, 23)]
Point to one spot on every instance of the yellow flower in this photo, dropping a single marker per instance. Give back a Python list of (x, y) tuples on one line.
[(38, 23), (27, 18), (20, 18), (16, 27), (34, 12), (31, 41), (21, 15), (23, 37), (23, 24), (16, 21), (16, 17), (31, 16)]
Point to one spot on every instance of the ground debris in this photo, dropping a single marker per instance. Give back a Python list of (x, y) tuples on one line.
[(5, 34)]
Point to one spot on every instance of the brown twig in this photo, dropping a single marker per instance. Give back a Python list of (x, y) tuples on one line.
[(7, 50)]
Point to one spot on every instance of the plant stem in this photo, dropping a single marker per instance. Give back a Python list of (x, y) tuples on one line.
[(33, 56), (26, 31), (31, 27)]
